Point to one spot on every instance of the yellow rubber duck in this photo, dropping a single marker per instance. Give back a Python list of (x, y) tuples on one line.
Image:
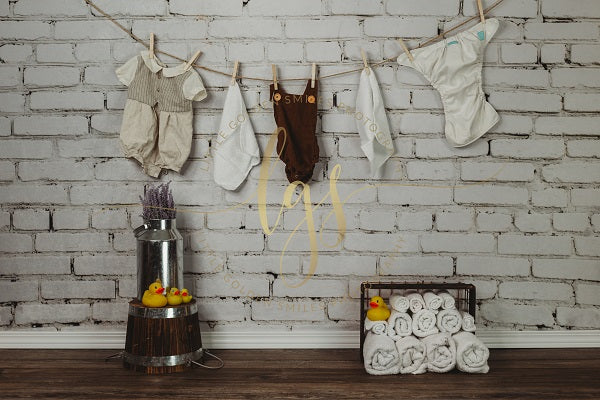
[(379, 310), (154, 297), (173, 297), (186, 296)]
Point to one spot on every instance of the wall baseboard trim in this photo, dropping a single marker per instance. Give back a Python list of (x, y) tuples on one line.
[(31, 339)]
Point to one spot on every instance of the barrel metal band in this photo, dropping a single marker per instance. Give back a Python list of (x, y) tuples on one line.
[(167, 312), (163, 361)]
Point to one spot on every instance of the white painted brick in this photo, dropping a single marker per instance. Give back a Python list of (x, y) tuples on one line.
[(55, 171), (526, 101), (286, 51), (6, 316), (381, 242), (206, 7), (15, 242), (205, 262), (343, 310), (585, 53), (109, 219), (421, 170), (513, 124), (426, 99), (492, 266), (587, 294), (103, 194), (92, 52), (225, 220), (51, 313), (52, 76), (106, 123), (503, 172), (585, 197), (535, 291), (550, 198), (247, 51), (132, 7), (72, 242), (522, 53), (567, 268), (377, 220), (110, 312), (417, 221), (511, 313), (553, 53), (406, 7), (323, 52), (254, 264), (421, 123), (574, 222), (544, 245), (7, 171), (31, 219), (561, 31), (5, 126), (284, 7), (493, 222), (127, 288), (15, 52), (454, 220), (514, 8), (528, 148), (416, 27), (232, 286), (31, 194), (596, 222), (584, 102), (4, 220), (342, 265), (35, 264), (25, 30), (509, 77), (568, 126), (411, 195), (237, 242), (578, 317), (18, 291), (322, 29), (284, 310), (575, 77), (419, 266), (51, 125), (70, 219), (72, 100), (574, 8), (50, 7), (312, 287), (532, 222), (78, 289), (246, 28), (588, 246), (439, 148), (97, 29), (491, 194), (10, 76), (573, 171), (458, 243), (355, 7), (55, 53), (221, 311), (101, 76), (12, 102)]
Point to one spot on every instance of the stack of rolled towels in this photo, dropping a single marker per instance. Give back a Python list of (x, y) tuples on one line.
[(425, 332)]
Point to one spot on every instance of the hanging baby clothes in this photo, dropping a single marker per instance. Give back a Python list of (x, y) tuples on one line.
[(157, 120), (453, 67), (373, 128), (235, 150), (297, 146)]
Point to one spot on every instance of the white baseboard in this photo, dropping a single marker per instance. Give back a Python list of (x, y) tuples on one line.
[(31, 339)]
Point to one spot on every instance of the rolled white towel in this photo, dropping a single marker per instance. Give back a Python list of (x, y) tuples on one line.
[(468, 322), (424, 323), (471, 353), (380, 355), (377, 327), (399, 325), (432, 301), (399, 303), (412, 352), (449, 303), (441, 352), (449, 321), (416, 302)]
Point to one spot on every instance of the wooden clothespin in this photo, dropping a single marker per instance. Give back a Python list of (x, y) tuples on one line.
[(151, 45), (406, 50), (364, 58), (274, 68), (192, 60), (234, 75), (314, 76), (480, 8)]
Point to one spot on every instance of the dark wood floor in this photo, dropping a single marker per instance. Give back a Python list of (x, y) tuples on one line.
[(292, 374)]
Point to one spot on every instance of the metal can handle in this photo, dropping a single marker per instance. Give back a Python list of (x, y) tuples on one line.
[(138, 231)]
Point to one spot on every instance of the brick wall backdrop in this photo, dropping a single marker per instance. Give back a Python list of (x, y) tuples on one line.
[(516, 213)]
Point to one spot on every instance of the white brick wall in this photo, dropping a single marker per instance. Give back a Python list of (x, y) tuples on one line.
[(516, 212)]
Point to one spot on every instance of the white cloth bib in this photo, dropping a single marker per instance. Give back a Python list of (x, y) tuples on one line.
[(371, 121), (235, 150)]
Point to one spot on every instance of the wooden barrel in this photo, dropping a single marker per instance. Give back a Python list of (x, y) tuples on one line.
[(162, 340)]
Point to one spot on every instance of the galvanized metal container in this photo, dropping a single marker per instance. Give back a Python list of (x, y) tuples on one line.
[(159, 254)]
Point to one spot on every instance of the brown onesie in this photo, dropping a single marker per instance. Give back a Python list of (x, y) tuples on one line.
[(297, 113)]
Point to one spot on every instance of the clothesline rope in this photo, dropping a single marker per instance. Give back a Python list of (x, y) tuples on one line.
[(375, 64)]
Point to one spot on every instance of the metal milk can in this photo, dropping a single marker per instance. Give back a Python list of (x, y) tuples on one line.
[(159, 255)]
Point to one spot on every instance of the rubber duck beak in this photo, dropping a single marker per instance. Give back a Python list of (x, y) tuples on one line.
[(176, 292), (159, 291), (184, 294), (373, 304)]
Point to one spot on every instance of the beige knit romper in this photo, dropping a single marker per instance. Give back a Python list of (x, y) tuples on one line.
[(157, 120)]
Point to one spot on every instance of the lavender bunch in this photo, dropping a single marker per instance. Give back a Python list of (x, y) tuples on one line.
[(158, 202)]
